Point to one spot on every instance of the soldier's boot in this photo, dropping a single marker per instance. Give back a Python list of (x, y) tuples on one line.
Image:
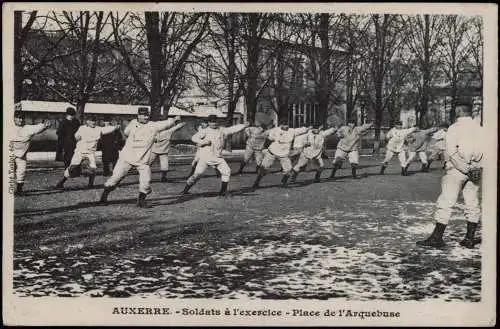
[(257, 168), (428, 167), (223, 189), (444, 165), (317, 177), (19, 189), (284, 180), (435, 239), (354, 168), (91, 180), (468, 241), (163, 176), (104, 196), (334, 170), (260, 174), (186, 188), (423, 167), (404, 170), (141, 200), (293, 176), (382, 168), (60, 184), (242, 165)]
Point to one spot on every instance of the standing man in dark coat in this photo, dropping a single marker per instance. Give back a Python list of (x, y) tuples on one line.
[(66, 141), (110, 145)]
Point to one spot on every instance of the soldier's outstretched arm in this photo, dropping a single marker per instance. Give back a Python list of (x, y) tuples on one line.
[(109, 129), (235, 129), (301, 131), (329, 131), (178, 126), (165, 124)]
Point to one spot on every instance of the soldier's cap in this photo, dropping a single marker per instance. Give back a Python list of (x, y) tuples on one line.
[(70, 111), (143, 111), (316, 125), (92, 118), (212, 118), (19, 114), (283, 121)]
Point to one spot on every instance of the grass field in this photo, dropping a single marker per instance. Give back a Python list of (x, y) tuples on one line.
[(341, 238)]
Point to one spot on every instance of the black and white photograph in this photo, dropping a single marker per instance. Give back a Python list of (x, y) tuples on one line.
[(257, 164)]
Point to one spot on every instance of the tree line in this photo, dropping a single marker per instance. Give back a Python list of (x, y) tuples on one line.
[(379, 62)]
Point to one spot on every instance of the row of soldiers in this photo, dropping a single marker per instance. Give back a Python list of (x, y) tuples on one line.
[(144, 136), (266, 144)]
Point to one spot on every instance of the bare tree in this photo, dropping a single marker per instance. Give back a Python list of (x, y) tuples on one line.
[(321, 35), (356, 64), (454, 54), (285, 69), (476, 45), (20, 36), (424, 37), (155, 48), (254, 27), (384, 43), (214, 66), (72, 71)]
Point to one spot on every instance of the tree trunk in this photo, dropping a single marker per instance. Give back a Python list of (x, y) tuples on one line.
[(378, 108), (252, 67), (80, 109), (18, 67), (453, 113), (231, 74), (154, 53), (324, 73)]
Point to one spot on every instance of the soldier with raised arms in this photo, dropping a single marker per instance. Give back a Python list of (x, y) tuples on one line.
[(313, 151), (348, 146), (256, 138), (211, 142), (141, 135), (282, 139), (87, 137), (395, 145), (19, 145)]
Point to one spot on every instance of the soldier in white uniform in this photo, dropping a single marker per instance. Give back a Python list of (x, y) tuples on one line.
[(87, 137), (141, 135), (211, 142), (299, 143), (476, 110), (313, 152), (161, 147), (464, 146), (19, 145), (349, 146), (396, 138), (282, 138), (437, 145), (202, 126), (256, 138), (418, 143)]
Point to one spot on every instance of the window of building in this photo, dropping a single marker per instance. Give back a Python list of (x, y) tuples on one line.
[(302, 114)]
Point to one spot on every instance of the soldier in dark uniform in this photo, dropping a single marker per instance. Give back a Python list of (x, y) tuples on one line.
[(110, 145), (66, 141)]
